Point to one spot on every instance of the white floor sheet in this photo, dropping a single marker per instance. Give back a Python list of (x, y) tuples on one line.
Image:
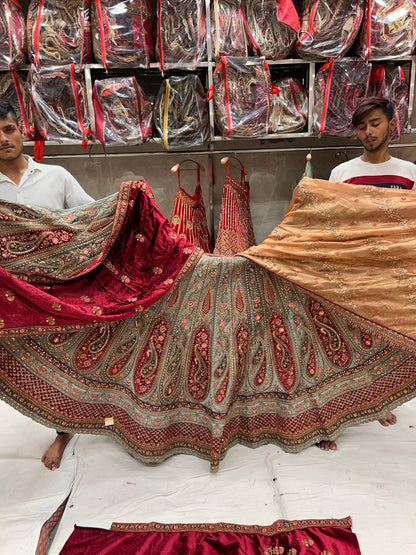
[(371, 477)]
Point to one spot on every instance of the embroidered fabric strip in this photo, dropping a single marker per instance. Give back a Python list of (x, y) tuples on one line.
[(283, 537), (115, 325)]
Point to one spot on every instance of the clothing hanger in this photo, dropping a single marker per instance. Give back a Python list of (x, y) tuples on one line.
[(177, 169), (226, 160)]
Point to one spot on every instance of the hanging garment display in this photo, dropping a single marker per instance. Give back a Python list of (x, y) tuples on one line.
[(13, 51), (181, 33), (188, 217), (289, 107), (273, 26), (112, 324), (338, 86), (123, 32), (388, 30), (228, 29), (13, 88), (241, 92), (123, 114), (59, 32), (59, 103), (390, 82), (235, 230), (180, 112), (328, 28)]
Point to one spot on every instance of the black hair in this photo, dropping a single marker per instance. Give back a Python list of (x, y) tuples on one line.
[(370, 103), (6, 109)]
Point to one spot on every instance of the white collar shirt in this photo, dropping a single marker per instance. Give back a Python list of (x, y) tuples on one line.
[(44, 185)]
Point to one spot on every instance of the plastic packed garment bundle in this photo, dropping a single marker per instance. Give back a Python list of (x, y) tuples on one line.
[(180, 112), (13, 88), (328, 28), (123, 32), (12, 35), (241, 92), (273, 26), (181, 34), (60, 104), (122, 112), (228, 29), (289, 108), (59, 33), (388, 30), (338, 86), (390, 82)]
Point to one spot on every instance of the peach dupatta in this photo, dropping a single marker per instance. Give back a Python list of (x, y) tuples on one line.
[(353, 245)]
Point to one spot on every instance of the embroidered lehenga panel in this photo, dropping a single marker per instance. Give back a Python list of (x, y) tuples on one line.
[(111, 323)]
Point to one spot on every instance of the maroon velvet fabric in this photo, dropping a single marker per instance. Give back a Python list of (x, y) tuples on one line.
[(309, 537), (138, 258)]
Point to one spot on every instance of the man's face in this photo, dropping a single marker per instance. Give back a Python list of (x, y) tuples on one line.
[(374, 130), (11, 139)]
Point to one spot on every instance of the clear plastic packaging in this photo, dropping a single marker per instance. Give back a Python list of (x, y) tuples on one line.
[(228, 29), (59, 33), (181, 33), (241, 94), (180, 112), (12, 35), (60, 103), (289, 108), (388, 30), (328, 28), (390, 82), (338, 86), (123, 32), (123, 114), (273, 26), (13, 87)]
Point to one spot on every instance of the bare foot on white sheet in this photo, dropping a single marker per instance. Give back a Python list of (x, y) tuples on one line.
[(388, 419), (327, 445), (53, 455)]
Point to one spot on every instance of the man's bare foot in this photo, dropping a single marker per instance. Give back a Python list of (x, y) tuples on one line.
[(388, 419), (53, 454), (327, 445)]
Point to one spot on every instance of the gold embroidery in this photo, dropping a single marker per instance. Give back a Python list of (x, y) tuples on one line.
[(2, 324), (97, 310), (157, 270), (139, 237), (125, 279), (85, 298), (308, 542), (10, 296), (56, 306), (50, 320)]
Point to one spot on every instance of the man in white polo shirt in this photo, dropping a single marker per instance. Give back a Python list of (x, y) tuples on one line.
[(24, 181)]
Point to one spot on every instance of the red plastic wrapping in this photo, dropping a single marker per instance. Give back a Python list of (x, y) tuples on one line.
[(123, 32), (60, 106), (12, 35), (289, 108), (273, 26), (390, 82), (181, 35), (328, 28), (58, 32), (13, 87), (241, 94), (123, 113), (228, 29), (181, 113), (338, 86), (388, 30)]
